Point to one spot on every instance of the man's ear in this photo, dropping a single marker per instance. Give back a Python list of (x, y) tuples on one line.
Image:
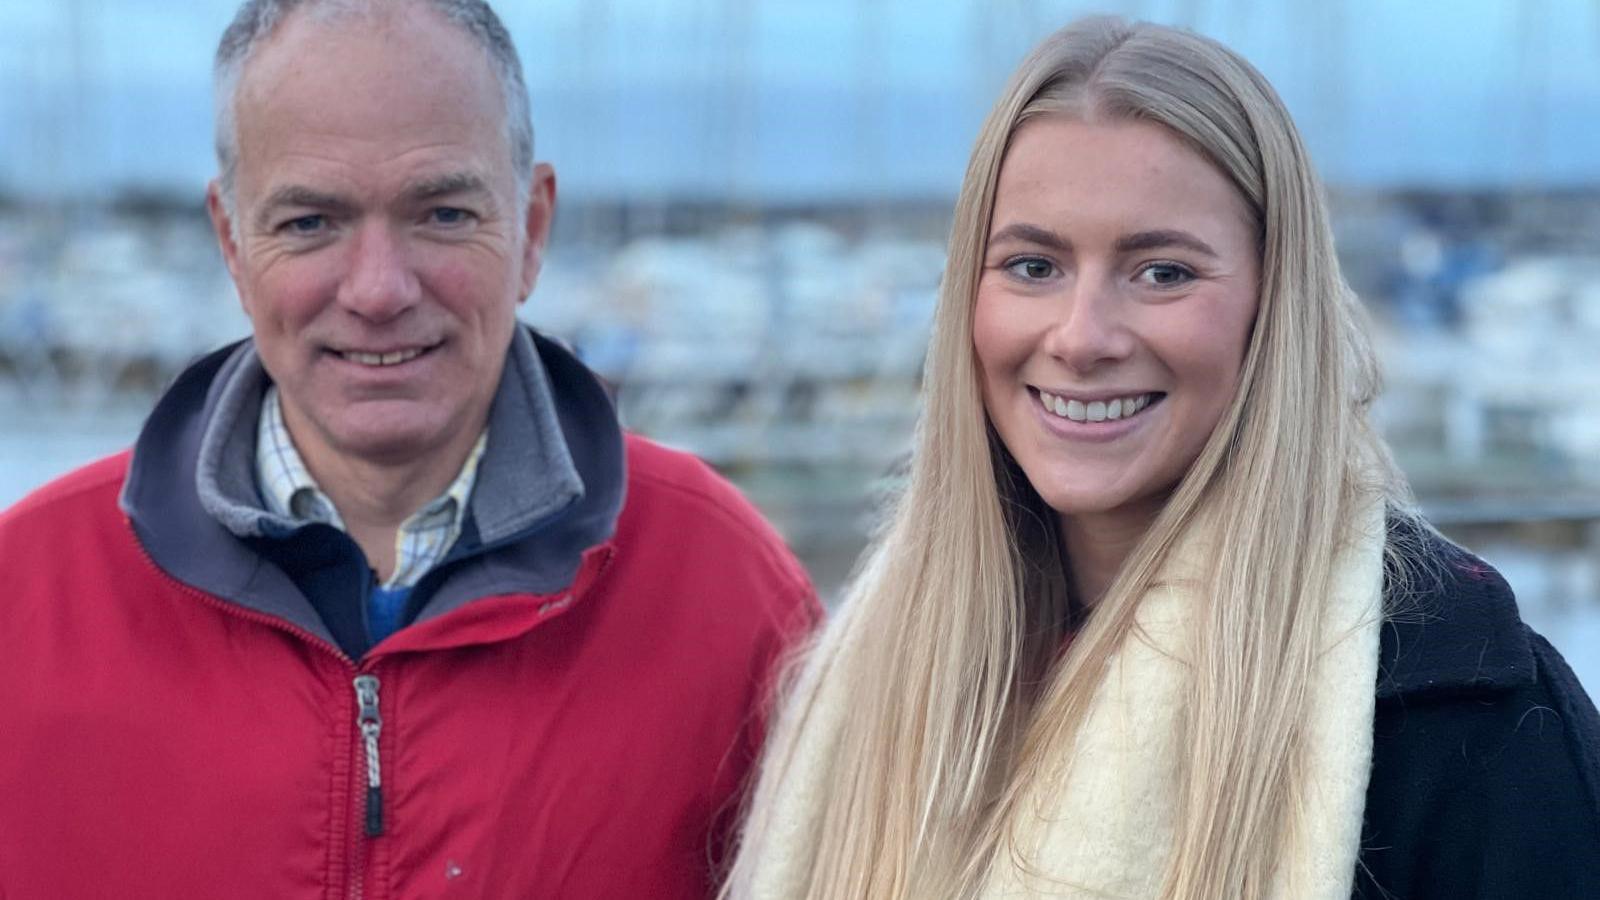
[(536, 221), (223, 226)]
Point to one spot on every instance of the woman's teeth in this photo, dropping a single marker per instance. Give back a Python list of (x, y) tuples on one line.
[(1097, 410)]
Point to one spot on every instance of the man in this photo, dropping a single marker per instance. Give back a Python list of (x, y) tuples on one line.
[(382, 603)]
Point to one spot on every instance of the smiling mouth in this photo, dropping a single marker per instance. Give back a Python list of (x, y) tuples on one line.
[(1096, 410), (381, 360)]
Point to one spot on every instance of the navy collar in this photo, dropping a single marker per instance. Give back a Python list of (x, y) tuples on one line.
[(1452, 625)]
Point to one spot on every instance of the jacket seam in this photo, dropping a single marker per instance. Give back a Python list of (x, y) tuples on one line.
[(706, 500)]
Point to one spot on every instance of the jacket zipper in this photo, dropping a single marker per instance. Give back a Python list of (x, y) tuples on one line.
[(371, 725)]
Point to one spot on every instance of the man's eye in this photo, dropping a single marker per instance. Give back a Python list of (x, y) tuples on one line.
[(450, 215), (305, 224), (1031, 268)]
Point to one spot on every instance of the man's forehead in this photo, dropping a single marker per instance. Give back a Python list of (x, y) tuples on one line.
[(371, 115), (341, 75), (316, 34), (366, 14)]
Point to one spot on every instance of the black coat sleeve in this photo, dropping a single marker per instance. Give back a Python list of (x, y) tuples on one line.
[(1486, 793)]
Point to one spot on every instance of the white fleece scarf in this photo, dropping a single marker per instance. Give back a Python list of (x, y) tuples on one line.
[(1106, 829)]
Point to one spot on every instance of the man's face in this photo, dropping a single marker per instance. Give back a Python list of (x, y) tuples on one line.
[(380, 251)]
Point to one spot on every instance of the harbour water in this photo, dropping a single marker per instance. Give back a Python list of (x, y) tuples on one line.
[(36, 446)]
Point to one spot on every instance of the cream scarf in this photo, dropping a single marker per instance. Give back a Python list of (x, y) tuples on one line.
[(1105, 830)]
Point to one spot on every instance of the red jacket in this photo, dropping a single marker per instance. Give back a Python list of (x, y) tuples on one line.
[(162, 741)]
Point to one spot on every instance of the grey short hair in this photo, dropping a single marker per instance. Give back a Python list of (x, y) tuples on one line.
[(256, 21)]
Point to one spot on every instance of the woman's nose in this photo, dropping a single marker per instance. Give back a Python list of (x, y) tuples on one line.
[(1091, 328)]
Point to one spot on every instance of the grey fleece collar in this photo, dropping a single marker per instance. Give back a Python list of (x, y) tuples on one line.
[(527, 473), (551, 485)]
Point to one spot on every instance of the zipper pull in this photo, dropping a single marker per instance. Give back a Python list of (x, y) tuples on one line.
[(371, 724)]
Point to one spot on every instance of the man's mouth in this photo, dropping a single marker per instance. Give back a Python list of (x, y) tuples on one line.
[(1097, 410), (386, 358)]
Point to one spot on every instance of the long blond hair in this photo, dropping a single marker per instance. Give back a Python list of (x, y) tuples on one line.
[(949, 636)]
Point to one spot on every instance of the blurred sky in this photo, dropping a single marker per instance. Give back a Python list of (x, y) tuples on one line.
[(830, 99)]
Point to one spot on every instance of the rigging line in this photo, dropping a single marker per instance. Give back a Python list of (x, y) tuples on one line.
[(1335, 75), (1594, 22), (742, 100), (1188, 15), (870, 88), (1532, 79)]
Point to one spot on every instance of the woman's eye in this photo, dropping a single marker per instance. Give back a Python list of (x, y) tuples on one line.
[(1165, 274), (1031, 268)]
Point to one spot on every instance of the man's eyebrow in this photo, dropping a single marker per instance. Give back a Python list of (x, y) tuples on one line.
[(1154, 240), (449, 183), (1032, 234), (301, 196)]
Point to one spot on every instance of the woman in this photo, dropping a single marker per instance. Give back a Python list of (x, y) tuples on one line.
[(1154, 616)]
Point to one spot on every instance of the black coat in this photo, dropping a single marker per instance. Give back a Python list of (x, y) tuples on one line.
[(1486, 759)]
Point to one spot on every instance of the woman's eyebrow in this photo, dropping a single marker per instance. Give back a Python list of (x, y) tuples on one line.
[(1132, 243), (1154, 240), (1032, 234)]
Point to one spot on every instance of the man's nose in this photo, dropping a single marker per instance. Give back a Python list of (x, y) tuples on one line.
[(1091, 328), (380, 282)]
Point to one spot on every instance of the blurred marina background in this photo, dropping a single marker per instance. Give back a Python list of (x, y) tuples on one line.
[(754, 200)]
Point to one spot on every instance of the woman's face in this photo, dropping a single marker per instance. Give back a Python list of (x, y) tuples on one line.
[(1116, 299)]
